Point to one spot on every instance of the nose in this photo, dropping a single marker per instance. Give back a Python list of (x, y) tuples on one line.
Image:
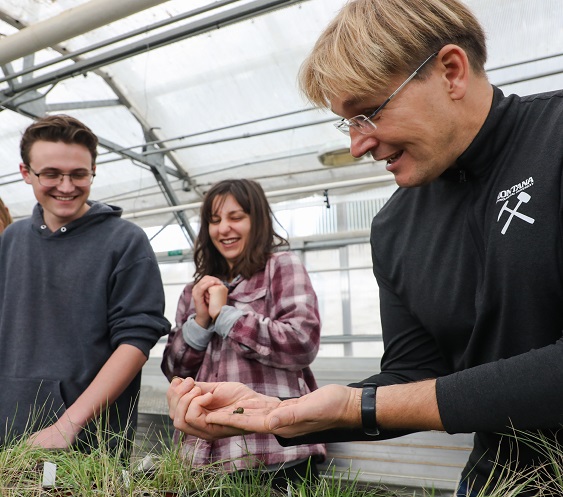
[(224, 226), (361, 144), (66, 185)]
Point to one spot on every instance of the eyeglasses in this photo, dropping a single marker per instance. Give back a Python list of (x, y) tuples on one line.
[(55, 178), (364, 124)]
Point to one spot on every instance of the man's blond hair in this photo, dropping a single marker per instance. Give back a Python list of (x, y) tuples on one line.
[(370, 41)]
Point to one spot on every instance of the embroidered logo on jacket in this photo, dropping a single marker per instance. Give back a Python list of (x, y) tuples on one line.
[(506, 194), (523, 198)]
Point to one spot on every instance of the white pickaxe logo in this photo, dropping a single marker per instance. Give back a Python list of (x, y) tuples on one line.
[(522, 197)]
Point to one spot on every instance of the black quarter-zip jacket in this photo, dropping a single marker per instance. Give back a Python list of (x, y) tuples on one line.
[(470, 270)]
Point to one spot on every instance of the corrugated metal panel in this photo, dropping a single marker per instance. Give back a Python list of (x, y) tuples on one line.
[(360, 213), (421, 460), (343, 215)]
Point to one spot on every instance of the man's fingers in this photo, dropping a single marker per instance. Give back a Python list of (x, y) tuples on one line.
[(194, 418), (285, 420), (185, 401), (206, 386), (176, 381), (180, 394), (181, 385), (195, 405), (173, 395)]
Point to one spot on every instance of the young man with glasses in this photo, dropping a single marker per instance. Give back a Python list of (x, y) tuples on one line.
[(81, 301), (467, 253)]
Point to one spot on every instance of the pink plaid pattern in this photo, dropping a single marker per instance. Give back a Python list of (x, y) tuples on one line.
[(269, 349)]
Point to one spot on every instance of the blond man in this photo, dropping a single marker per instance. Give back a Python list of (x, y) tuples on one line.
[(467, 253)]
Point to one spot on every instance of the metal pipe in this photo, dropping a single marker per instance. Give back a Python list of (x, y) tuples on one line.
[(277, 193), (225, 139), (68, 24), (239, 137), (530, 78), (118, 38), (231, 16), (213, 130)]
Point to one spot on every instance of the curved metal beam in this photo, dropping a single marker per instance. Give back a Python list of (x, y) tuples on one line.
[(231, 16), (68, 24)]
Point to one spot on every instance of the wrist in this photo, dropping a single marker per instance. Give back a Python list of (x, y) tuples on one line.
[(67, 427), (203, 322), (355, 416), (215, 311)]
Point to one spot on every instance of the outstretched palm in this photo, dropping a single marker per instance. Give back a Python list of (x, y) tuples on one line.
[(329, 407)]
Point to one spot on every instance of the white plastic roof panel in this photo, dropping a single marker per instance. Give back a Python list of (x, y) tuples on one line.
[(225, 101)]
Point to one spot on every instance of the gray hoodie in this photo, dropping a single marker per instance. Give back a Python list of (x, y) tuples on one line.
[(68, 299)]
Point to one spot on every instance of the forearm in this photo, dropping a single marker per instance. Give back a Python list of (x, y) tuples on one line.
[(400, 409), (286, 342), (521, 392), (468, 400), (410, 406), (179, 359), (112, 379)]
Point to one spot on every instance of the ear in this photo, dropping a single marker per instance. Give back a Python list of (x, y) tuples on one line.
[(26, 175), (456, 70)]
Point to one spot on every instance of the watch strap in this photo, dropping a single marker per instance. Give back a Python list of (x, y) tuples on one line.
[(369, 423)]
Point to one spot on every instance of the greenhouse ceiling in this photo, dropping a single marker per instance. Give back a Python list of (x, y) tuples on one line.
[(183, 93)]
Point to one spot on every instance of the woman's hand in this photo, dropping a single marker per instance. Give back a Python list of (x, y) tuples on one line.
[(217, 299), (200, 294)]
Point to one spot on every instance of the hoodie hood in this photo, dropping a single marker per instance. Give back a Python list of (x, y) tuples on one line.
[(97, 213)]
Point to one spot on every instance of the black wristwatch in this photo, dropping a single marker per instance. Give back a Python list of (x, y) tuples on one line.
[(369, 423)]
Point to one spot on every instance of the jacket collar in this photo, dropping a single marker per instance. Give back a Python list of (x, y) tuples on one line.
[(476, 160)]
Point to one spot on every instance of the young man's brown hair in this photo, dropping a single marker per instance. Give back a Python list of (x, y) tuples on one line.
[(58, 128)]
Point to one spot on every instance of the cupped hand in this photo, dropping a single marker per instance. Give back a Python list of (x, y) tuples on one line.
[(332, 406), (190, 404)]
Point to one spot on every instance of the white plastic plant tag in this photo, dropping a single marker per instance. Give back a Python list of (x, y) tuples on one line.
[(126, 479), (49, 474)]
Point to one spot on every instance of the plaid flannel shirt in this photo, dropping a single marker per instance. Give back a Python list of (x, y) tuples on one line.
[(269, 348)]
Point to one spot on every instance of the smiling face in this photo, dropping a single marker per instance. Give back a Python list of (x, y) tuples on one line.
[(65, 202), (424, 128), (229, 228), (414, 134)]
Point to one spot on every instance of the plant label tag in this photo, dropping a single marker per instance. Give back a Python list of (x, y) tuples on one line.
[(49, 474)]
